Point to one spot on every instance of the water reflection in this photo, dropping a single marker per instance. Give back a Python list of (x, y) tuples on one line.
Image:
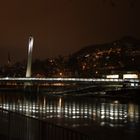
[(111, 113)]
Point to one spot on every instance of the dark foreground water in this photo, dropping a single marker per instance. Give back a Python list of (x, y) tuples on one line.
[(101, 118)]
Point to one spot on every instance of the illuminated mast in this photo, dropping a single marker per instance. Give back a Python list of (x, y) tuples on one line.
[(29, 63)]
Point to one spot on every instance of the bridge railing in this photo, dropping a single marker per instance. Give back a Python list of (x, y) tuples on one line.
[(69, 79), (17, 126)]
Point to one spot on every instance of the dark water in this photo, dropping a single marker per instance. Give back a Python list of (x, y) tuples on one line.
[(103, 118)]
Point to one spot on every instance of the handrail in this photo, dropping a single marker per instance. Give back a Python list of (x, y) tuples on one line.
[(22, 127)]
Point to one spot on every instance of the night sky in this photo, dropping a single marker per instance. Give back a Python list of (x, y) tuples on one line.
[(62, 27)]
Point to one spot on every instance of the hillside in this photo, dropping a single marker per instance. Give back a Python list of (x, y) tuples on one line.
[(120, 55)]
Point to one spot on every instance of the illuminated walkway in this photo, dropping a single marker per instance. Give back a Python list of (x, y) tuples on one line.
[(67, 84), (70, 79)]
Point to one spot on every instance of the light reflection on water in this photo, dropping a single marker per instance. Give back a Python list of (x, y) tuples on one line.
[(75, 111)]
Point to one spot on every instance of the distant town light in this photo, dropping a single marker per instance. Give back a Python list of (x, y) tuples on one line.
[(128, 76), (87, 55), (113, 76), (60, 73), (96, 72)]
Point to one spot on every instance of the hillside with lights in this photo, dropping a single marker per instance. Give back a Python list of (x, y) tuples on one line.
[(119, 56)]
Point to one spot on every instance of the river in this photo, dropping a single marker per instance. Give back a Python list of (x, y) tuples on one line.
[(103, 118)]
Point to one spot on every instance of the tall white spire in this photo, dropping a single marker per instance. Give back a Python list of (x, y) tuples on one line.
[(29, 63)]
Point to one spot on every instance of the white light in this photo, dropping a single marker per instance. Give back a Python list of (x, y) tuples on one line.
[(125, 76), (30, 44), (113, 76), (132, 84), (30, 48)]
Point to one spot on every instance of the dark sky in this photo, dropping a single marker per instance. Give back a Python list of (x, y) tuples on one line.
[(61, 27)]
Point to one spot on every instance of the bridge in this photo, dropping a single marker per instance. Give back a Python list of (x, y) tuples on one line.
[(31, 79), (67, 84)]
